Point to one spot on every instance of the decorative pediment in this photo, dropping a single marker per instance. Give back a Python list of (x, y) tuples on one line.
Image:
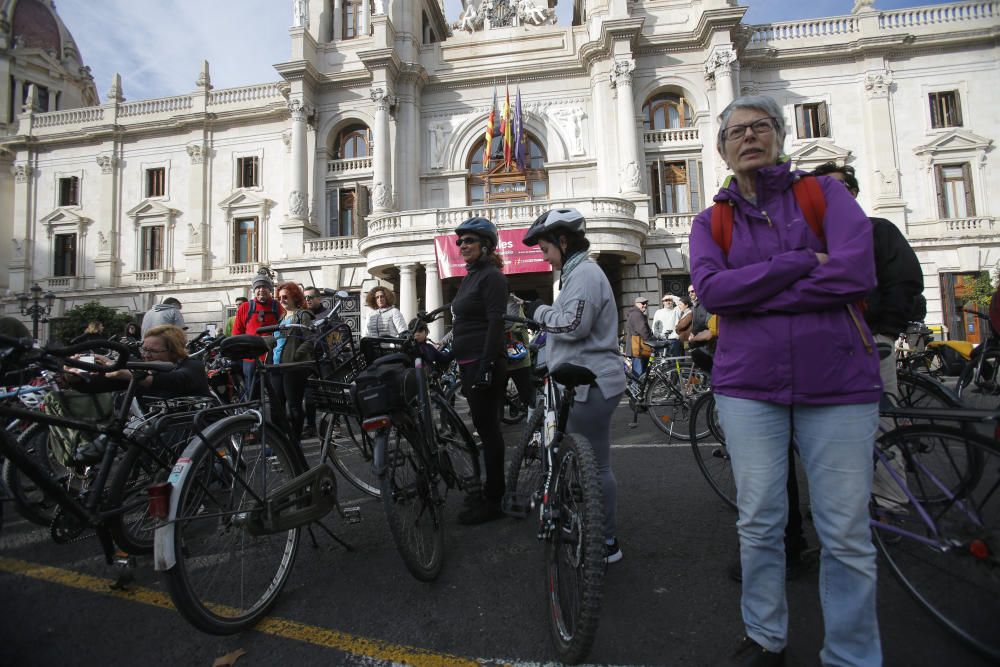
[(245, 199), (818, 152), (65, 217), (151, 209), (957, 140)]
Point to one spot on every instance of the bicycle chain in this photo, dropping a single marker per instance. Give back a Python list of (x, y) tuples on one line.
[(65, 529)]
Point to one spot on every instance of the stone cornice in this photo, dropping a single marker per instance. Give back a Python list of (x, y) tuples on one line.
[(376, 59), (299, 70)]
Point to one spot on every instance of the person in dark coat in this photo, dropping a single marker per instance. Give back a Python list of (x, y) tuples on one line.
[(637, 324)]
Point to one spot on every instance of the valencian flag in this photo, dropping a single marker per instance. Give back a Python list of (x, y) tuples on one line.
[(520, 147), (507, 131), (489, 132)]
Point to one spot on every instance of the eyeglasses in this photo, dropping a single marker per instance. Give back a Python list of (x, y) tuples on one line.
[(466, 240), (761, 127), (310, 297), (148, 350)]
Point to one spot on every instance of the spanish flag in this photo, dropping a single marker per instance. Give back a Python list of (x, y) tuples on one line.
[(507, 130), (488, 134)]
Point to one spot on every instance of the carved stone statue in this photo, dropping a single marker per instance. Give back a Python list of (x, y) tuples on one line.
[(470, 18), (630, 177), (297, 207), (571, 120), (18, 249), (300, 13), (862, 5), (439, 141), (530, 13), (102, 242), (379, 8), (380, 196)]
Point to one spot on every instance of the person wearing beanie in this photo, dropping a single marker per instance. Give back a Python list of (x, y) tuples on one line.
[(261, 311)]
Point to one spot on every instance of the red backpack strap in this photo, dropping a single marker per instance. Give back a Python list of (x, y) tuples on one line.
[(809, 195), (722, 225)]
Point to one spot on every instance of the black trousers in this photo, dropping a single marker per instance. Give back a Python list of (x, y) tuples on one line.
[(485, 408), (525, 388), (287, 389)]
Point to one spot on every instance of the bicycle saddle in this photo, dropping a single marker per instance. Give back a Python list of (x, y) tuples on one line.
[(244, 346), (659, 344), (571, 375)]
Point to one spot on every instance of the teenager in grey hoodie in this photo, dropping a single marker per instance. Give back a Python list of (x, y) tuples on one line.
[(168, 312)]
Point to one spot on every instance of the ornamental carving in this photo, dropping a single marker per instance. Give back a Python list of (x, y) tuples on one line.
[(439, 133), (570, 119), (22, 172), (300, 13), (721, 61), (490, 14), (18, 248), (107, 163), (381, 197), (297, 206), (630, 177), (878, 84), (197, 153), (299, 110), (383, 101), (621, 75)]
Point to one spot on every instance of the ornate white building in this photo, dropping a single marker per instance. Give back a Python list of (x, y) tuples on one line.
[(343, 172)]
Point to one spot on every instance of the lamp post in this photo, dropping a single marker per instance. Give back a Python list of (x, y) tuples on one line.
[(32, 306)]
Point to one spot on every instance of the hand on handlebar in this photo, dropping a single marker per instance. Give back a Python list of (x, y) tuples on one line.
[(530, 307)]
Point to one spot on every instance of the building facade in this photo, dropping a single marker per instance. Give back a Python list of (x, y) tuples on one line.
[(342, 173)]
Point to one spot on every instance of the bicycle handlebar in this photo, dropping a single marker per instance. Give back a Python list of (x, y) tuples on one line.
[(66, 354)]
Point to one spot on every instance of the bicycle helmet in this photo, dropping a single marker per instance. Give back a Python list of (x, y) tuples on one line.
[(551, 223), (482, 228)]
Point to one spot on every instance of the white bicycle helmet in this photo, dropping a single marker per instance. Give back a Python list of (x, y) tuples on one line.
[(550, 223)]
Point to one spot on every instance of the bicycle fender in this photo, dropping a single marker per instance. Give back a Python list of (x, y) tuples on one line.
[(164, 554)]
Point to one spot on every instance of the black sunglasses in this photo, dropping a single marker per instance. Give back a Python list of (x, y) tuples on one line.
[(466, 240)]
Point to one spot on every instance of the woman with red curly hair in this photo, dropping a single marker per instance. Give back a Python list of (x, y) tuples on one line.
[(291, 347)]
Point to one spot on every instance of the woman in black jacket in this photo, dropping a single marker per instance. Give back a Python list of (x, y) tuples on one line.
[(478, 346)]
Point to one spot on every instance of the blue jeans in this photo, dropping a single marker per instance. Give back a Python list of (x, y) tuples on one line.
[(835, 443), (638, 365)]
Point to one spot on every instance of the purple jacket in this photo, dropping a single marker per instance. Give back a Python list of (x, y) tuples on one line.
[(787, 333)]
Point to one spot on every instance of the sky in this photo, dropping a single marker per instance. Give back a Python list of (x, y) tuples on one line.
[(157, 45)]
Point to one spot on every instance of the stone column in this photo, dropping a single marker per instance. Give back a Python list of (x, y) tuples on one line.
[(364, 21), (298, 196), (337, 22), (603, 148), (196, 255), (883, 169), (408, 290), (24, 248), (629, 166), (723, 66), (107, 266), (433, 297), (382, 191)]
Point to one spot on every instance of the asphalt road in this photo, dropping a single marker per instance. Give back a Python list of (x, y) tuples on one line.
[(669, 602)]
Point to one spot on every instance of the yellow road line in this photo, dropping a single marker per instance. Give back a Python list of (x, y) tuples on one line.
[(279, 627)]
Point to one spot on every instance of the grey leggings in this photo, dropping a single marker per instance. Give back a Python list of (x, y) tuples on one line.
[(592, 420)]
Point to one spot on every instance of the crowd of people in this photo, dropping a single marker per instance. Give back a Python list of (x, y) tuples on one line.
[(792, 289)]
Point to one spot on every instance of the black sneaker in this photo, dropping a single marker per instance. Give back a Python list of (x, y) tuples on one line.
[(752, 654), (612, 552), (480, 512)]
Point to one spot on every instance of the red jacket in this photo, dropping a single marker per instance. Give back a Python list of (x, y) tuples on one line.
[(264, 315)]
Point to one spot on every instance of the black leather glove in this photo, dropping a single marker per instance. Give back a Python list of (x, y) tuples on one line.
[(530, 307), (485, 376)]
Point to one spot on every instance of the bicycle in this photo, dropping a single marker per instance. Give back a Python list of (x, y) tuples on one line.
[(980, 373), (665, 391), (420, 444), (555, 473)]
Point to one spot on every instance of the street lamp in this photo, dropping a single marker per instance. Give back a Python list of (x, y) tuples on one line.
[(32, 306)]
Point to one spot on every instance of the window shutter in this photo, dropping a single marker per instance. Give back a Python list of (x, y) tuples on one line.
[(332, 211), (970, 200), (958, 109), (824, 120), (362, 206), (694, 186), (800, 121), (942, 202)]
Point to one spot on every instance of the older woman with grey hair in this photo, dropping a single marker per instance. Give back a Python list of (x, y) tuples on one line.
[(795, 361)]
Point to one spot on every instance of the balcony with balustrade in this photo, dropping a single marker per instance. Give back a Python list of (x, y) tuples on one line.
[(953, 229)]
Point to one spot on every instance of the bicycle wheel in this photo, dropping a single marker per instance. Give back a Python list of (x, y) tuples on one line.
[(950, 564), (668, 399), (412, 505), (710, 451), (351, 452), (32, 503), (228, 572), (134, 528), (524, 472), (513, 409), (458, 444), (574, 550), (917, 390)]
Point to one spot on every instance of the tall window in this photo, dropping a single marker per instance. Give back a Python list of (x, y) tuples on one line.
[(246, 241), (69, 191), (152, 248), (954, 183), (354, 141), (945, 109), (247, 172), (495, 185), (156, 182), (812, 120), (64, 251), (342, 211), (676, 186), (666, 111), (352, 17)]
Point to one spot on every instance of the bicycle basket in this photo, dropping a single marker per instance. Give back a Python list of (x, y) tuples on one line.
[(64, 441), (330, 396), (372, 348)]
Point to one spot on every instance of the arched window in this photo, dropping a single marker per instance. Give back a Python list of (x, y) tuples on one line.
[(666, 111), (354, 141), (494, 184)]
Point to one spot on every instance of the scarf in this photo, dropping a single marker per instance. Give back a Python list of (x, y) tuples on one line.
[(573, 262)]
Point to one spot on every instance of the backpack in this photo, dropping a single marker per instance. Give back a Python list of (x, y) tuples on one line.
[(809, 196), (253, 308)]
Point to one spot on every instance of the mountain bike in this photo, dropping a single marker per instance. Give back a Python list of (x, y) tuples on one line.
[(422, 447), (555, 473)]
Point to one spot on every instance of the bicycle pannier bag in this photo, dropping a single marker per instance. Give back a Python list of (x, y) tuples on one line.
[(63, 441), (640, 349), (384, 388)]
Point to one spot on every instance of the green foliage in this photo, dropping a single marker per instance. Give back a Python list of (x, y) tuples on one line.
[(73, 323), (983, 289)]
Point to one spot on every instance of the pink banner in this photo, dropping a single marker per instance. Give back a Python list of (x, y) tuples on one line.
[(517, 257)]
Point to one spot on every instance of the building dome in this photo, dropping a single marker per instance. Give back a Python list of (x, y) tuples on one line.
[(34, 25)]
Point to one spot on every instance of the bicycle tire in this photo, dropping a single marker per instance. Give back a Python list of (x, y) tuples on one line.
[(574, 550), (133, 530), (919, 390), (457, 441), (352, 455), (31, 502), (524, 472), (956, 581), (669, 406), (710, 451), (226, 578), (412, 506)]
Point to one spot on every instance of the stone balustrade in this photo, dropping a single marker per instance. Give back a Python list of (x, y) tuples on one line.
[(952, 228), (64, 283), (338, 167), (677, 135), (155, 276), (69, 117), (332, 246), (676, 224), (808, 28), (244, 94), (937, 14), (242, 269), (158, 105)]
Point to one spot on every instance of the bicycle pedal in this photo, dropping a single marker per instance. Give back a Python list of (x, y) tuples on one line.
[(351, 514), (123, 560)]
